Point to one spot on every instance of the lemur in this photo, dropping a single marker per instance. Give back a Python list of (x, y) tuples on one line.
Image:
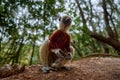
[(56, 51)]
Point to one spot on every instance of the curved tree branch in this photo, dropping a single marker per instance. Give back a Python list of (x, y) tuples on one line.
[(111, 40)]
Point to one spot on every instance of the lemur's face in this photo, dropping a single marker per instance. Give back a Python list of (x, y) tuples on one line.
[(66, 21)]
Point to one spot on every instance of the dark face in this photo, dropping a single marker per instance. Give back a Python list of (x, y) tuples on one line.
[(66, 20)]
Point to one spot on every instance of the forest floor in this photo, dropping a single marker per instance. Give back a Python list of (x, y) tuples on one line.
[(91, 68)]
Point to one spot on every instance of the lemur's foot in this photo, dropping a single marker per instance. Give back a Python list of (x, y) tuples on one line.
[(66, 68), (45, 69), (48, 69)]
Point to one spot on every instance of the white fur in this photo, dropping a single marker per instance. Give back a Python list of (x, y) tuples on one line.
[(44, 52), (57, 52)]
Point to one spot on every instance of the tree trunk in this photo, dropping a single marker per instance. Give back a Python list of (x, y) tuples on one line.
[(18, 53), (78, 50), (108, 28), (33, 48), (115, 44)]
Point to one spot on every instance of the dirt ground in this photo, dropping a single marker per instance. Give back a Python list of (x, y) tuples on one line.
[(92, 68)]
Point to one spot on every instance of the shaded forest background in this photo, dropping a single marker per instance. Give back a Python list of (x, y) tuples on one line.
[(24, 24)]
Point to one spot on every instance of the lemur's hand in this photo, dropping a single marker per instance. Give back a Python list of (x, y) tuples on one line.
[(58, 52)]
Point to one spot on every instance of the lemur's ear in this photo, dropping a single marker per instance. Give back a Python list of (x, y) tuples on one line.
[(59, 18)]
